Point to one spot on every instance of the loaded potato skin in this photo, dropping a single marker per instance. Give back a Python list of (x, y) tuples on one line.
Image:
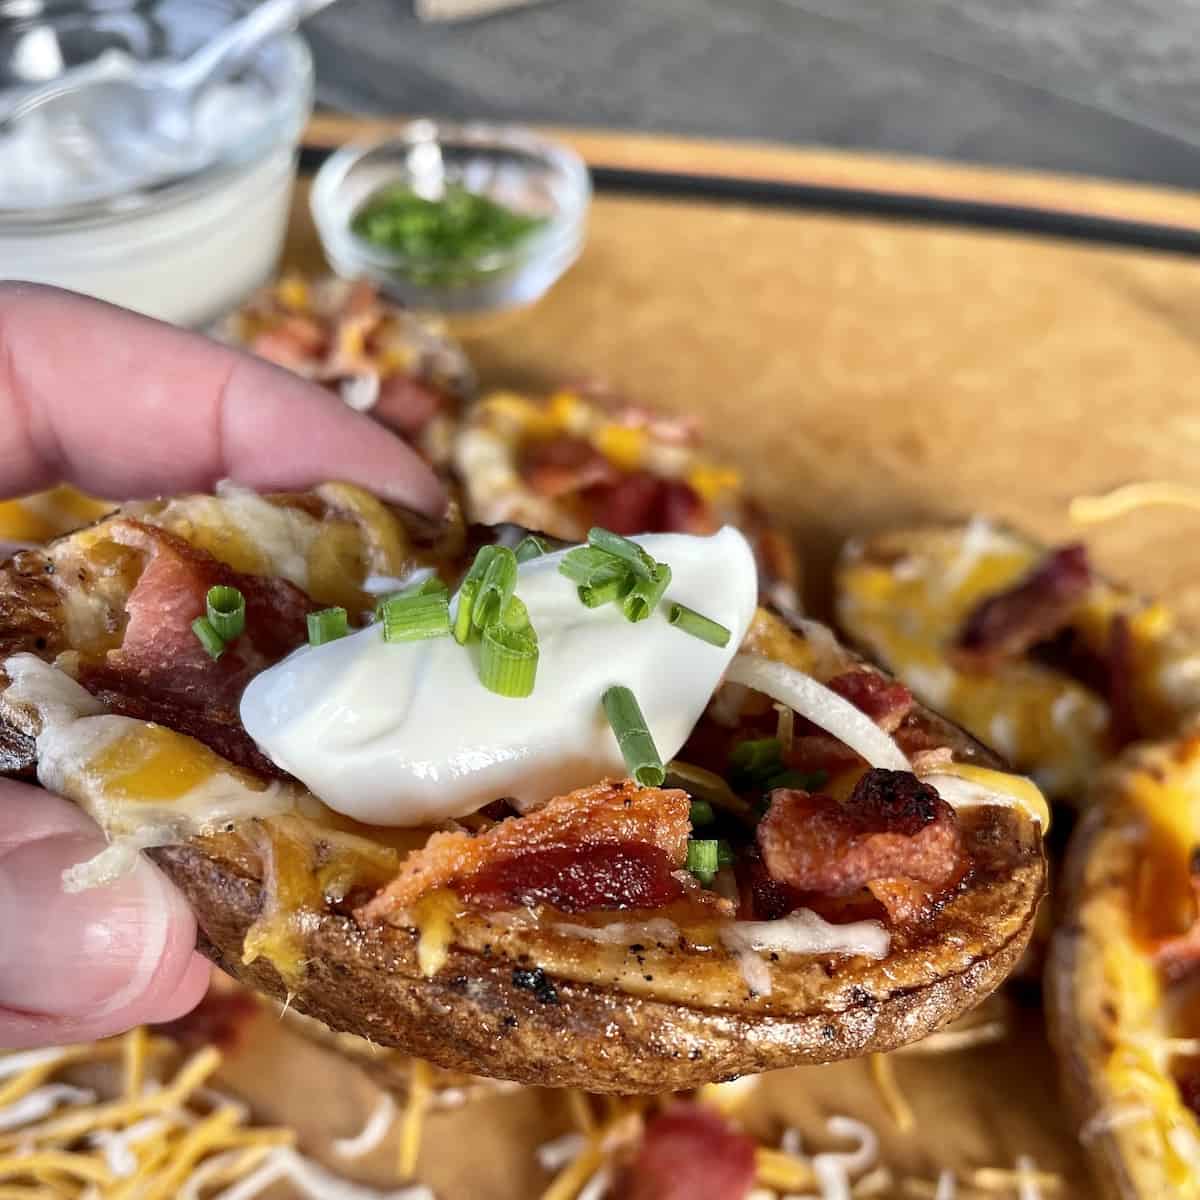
[(605, 989)]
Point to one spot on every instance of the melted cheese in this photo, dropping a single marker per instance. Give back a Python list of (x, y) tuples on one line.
[(909, 611), (963, 785), (144, 785)]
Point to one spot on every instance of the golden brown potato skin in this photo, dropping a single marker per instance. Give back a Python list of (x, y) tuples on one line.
[(473, 1016), (1092, 1006)]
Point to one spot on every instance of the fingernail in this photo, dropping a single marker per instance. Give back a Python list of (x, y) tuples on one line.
[(78, 954)]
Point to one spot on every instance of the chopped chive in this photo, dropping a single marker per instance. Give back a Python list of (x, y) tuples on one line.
[(757, 756), (516, 615), (210, 639), (495, 588), (469, 590), (633, 737), (607, 585), (586, 566), (414, 618), (432, 586), (508, 659), (702, 813), (528, 548), (698, 625), (806, 781), (645, 594), (327, 626), (620, 547), (703, 859), (725, 856), (226, 612)]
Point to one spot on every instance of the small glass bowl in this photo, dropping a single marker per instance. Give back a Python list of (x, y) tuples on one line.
[(511, 166)]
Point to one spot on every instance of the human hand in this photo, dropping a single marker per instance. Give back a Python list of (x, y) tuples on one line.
[(123, 406)]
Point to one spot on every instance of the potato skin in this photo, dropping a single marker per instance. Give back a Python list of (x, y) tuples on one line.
[(480, 1014), (1087, 1016)]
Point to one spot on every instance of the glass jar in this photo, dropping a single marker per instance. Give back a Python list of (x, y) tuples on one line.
[(184, 249)]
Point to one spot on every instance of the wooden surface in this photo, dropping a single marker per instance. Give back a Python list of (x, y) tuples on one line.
[(863, 373)]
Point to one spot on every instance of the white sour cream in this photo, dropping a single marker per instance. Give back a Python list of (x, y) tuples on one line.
[(405, 734)]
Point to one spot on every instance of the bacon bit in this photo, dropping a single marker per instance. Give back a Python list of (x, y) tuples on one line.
[(162, 673), (639, 501), (1188, 1083), (886, 701), (893, 835), (557, 466), (762, 898), (407, 405), (577, 879), (524, 852), (1122, 710), (293, 343), (220, 1019), (690, 1153), (1033, 610)]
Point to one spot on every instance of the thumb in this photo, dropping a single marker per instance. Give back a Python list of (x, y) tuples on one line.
[(78, 966)]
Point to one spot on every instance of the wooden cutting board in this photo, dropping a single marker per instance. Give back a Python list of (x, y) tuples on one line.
[(862, 372)]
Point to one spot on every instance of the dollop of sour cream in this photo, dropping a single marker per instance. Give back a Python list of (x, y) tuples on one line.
[(404, 733)]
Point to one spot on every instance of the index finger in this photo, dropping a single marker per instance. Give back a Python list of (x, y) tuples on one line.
[(125, 406)]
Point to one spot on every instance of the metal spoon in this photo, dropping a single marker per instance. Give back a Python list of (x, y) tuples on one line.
[(125, 95)]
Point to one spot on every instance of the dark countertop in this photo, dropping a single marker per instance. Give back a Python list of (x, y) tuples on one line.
[(1107, 88)]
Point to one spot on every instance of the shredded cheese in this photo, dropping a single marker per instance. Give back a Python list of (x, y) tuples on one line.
[(371, 1136), (414, 1117), (884, 1074), (1087, 510), (825, 708)]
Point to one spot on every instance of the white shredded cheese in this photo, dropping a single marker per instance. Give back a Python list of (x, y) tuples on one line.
[(818, 704), (1027, 1185), (118, 1146), (555, 1154), (804, 932), (199, 1180), (41, 1102), (371, 1135), (1101, 1121), (312, 1181), (16, 1064), (946, 1187), (657, 929), (596, 1187), (383, 585)]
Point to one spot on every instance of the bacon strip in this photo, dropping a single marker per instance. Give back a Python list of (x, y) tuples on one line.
[(690, 1153), (1034, 609), (610, 846), (893, 835), (162, 673)]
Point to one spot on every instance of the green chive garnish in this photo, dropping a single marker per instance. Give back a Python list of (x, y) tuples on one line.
[(226, 612), (468, 591), (724, 854), (432, 586), (529, 547), (645, 594), (806, 781), (703, 859), (516, 615), (701, 813), (587, 567), (210, 639), (327, 626), (619, 547), (495, 588), (508, 659), (413, 618), (633, 737), (698, 625)]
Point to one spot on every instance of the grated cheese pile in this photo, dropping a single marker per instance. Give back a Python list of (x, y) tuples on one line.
[(162, 1136)]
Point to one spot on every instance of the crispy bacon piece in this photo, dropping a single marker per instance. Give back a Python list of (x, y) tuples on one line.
[(886, 701), (894, 835), (1122, 710), (162, 673), (558, 466), (612, 845), (639, 501), (690, 1153), (1034, 609)]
